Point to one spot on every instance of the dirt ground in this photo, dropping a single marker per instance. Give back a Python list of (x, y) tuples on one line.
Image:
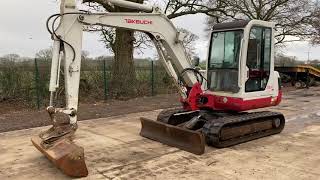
[(14, 116), (114, 150)]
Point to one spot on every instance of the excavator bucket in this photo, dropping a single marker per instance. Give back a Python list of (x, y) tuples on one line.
[(66, 155), (185, 139)]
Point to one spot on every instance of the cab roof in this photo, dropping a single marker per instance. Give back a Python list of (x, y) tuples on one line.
[(231, 25)]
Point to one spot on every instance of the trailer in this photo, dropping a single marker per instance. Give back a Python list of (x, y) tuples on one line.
[(300, 76)]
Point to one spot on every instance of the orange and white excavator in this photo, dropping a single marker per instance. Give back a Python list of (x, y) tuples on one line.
[(239, 77)]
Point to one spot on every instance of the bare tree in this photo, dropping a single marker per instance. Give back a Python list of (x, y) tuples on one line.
[(283, 60), (189, 41), (316, 25), (11, 57), (177, 8), (292, 17), (44, 54), (85, 55)]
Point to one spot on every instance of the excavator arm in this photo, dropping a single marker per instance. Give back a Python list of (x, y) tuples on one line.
[(68, 40)]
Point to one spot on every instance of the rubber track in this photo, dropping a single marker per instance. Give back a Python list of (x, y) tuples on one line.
[(213, 127)]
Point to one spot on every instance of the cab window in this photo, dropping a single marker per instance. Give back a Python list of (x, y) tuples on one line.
[(258, 59)]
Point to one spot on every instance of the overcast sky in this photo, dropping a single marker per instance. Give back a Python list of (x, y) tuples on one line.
[(23, 31)]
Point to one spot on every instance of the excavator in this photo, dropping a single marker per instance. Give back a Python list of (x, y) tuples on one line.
[(217, 103)]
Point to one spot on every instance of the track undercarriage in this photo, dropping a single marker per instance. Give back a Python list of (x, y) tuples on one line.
[(191, 130)]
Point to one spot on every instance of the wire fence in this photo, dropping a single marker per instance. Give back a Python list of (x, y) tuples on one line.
[(28, 81)]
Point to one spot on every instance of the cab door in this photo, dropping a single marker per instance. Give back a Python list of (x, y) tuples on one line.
[(258, 62)]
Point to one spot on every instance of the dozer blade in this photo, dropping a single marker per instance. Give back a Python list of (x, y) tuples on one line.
[(65, 155), (188, 140)]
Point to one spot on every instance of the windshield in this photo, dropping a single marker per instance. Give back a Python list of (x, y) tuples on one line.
[(225, 48)]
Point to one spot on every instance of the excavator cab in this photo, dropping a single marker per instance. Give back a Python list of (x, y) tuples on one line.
[(241, 64)]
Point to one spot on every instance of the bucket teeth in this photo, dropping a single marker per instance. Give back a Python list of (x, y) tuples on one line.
[(66, 155)]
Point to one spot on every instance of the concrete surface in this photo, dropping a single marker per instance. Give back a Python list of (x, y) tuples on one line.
[(114, 150)]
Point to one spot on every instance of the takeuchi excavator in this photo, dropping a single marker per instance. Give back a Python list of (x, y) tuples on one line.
[(216, 102)]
